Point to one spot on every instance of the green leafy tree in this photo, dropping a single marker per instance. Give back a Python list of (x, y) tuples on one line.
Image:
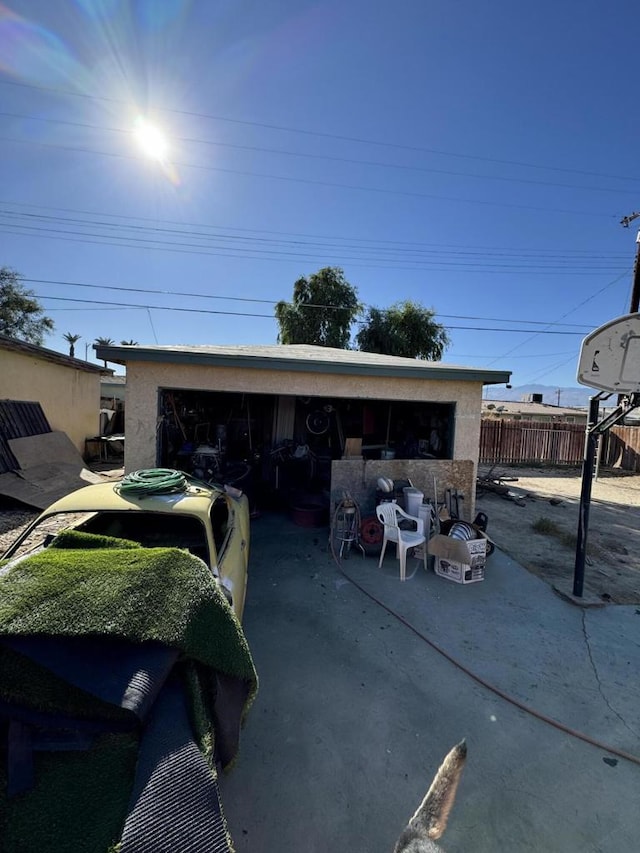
[(104, 342), (21, 315), (130, 343), (72, 340), (323, 308), (406, 329)]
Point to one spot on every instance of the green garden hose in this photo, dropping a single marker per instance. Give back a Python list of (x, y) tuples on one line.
[(153, 481)]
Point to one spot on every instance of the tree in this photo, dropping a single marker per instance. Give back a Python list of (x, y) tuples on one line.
[(72, 339), (406, 329), (323, 308), (104, 342), (130, 343), (21, 315)]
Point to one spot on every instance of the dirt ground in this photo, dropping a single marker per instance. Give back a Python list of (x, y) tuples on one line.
[(541, 535), (15, 517)]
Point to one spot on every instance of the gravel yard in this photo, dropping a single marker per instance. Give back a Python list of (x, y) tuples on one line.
[(13, 520), (12, 523), (537, 526)]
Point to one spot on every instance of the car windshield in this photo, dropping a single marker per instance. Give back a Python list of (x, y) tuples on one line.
[(150, 529)]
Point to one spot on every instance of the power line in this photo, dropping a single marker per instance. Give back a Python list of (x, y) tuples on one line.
[(476, 355), (33, 217), (153, 328), (156, 244), (326, 157), (128, 306), (565, 253), (158, 291), (549, 370), (315, 183), (326, 135), (163, 292), (572, 311), (505, 320), (51, 310), (575, 263), (557, 256), (59, 236)]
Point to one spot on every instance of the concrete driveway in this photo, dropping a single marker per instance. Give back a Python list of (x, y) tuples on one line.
[(356, 711)]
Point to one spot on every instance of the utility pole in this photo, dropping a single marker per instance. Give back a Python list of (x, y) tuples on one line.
[(558, 396), (635, 291)]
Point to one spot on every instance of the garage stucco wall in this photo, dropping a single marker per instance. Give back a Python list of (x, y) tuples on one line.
[(70, 397), (359, 478), (145, 378)]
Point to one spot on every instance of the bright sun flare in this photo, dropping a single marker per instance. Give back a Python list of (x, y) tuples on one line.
[(151, 140)]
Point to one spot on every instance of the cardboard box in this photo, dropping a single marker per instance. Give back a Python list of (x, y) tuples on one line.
[(352, 448), (461, 561)]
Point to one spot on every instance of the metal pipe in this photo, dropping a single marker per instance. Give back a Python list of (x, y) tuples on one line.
[(585, 496)]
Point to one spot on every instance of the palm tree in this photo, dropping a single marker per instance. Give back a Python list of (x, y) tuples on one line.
[(130, 343), (104, 342), (72, 339)]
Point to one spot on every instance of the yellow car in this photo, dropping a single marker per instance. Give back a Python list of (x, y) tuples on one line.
[(168, 509)]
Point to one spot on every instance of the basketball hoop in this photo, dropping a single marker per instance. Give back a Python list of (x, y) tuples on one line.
[(610, 361), (610, 357)]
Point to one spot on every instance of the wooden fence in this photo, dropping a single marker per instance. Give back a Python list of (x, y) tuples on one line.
[(531, 443), (621, 448), (18, 419)]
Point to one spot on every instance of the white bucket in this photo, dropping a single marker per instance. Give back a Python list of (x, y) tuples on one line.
[(425, 512), (412, 500)]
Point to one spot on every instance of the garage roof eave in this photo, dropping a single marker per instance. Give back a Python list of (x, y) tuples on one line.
[(297, 360)]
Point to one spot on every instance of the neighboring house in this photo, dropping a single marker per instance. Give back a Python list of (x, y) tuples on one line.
[(112, 391), (68, 389), (297, 411), (509, 410)]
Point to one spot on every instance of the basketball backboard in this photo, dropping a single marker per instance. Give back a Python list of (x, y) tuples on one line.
[(610, 356)]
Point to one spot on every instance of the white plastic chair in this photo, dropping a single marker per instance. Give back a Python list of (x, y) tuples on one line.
[(389, 514)]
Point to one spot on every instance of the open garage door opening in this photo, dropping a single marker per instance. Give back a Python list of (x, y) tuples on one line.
[(277, 448)]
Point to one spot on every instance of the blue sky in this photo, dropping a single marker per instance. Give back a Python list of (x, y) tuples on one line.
[(474, 157)]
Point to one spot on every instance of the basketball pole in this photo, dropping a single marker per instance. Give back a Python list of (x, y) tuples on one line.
[(591, 443), (595, 428), (621, 338)]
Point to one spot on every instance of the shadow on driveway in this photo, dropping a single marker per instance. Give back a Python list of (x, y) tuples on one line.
[(355, 712)]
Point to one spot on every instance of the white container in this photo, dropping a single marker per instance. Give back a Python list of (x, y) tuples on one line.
[(425, 512), (412, 500)]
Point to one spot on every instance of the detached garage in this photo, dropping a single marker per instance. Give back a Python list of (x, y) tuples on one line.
[(286, 420)]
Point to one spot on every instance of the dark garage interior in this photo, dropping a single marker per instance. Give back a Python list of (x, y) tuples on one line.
[(274, 447)]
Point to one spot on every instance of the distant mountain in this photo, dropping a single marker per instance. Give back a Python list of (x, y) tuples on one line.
[(578, 397)]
